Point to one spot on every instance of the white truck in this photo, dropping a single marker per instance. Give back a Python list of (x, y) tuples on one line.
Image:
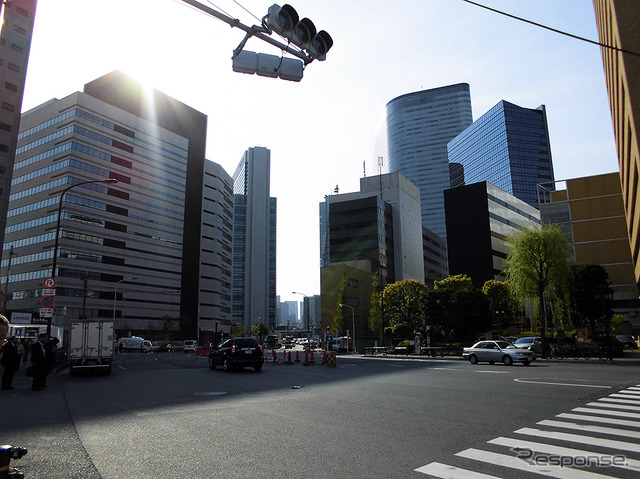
[(91, 346), (134, 343)]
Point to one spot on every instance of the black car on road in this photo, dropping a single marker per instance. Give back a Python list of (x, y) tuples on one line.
[(237, 353)]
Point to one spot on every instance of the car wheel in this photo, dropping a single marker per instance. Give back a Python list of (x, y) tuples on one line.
[(526, 363), (212, 364), (258, 368), (507, 360), (226, 364), (473, 359)]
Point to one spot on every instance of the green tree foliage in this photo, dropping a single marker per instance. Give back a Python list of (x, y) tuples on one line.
[(404, 306), (338, 323), (237, 330), (259, 331), (458, 310), (591, 297), (375, 313), (502, 304)]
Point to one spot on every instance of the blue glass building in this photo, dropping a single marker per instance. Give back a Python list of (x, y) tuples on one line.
[(509, 147), (419, 127)]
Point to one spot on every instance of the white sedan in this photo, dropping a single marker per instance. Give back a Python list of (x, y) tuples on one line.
[(494, 351)]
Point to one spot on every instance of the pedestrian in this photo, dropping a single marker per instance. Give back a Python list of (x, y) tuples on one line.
[(20, 349), (10, 362), (39, 362), (4, 329), (51, 350)]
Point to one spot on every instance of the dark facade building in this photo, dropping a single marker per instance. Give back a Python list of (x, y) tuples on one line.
[(480, 217), (509, 147)]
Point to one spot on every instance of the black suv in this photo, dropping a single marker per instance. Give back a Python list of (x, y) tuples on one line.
[(237, 353)]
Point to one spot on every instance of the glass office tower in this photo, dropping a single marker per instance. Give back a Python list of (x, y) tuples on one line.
[(419, 126), (509, 147)]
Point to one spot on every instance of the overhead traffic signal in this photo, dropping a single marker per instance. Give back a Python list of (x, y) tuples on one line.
[(302, 33)]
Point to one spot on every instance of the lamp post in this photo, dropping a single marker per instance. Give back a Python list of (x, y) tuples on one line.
[(353, 321), (55, 246), (115, 295), (305, 309)]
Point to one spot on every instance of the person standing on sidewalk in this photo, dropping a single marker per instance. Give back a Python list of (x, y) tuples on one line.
[(10, 362), (4, 329), (39, 362)]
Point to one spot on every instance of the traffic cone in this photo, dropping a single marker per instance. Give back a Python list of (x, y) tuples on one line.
[(273, 355), (312, 360), (297, 356), (284, 355), (324, 358), (289, 360), (306, 359)]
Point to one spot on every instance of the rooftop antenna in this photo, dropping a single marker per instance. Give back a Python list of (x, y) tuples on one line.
[(364, 168), (336, 190)]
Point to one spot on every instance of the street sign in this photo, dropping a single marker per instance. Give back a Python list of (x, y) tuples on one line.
[(49, 282), (46, 312), (48, 292), (328, 336), (48, 301)]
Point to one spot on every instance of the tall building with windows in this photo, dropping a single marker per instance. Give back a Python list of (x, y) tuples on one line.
[(16, 23), (418, 127), (124, 251), (617, 22), (254, 247), (509, 147)]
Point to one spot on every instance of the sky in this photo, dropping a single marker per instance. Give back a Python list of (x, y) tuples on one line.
[(321, 131)]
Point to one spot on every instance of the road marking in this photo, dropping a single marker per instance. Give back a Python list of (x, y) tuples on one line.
[(443, 471), (474, 370), (608, 412), (528, 381), (614, 404), (515, 463), (586, 428), (628, 397), (632, 464), (633, 393), (593, 441), (210, 393), (606, 420), (122, 367)]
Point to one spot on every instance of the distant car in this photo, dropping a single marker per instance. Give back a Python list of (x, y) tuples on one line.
[(237, 353), (189, 346), (165, 348), (498, 351), (627, 341), (531, 343)]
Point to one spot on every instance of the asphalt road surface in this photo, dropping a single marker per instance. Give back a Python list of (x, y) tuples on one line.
[(167, 415)]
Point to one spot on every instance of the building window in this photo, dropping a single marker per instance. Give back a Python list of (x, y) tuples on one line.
[(8, 106), (23, 12), (19, 29), (17, 48), (13, 67), (11, 86)]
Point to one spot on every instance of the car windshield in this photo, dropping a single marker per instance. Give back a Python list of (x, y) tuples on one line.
[(524, 341)]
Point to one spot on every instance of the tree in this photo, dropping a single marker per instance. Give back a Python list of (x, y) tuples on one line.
[(259, 331), (375, 312), (502, 304), (404, 303), (338, 319), (457, 309), (237, 330), (538, 260), (590, 297)]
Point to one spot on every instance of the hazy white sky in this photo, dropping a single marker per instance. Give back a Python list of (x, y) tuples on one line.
[(322, 129)]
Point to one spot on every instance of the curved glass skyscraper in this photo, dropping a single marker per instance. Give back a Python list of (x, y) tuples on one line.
[(419, 126)]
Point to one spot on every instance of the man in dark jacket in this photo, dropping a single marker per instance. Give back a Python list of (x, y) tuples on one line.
[(10, 362), (39, 362)]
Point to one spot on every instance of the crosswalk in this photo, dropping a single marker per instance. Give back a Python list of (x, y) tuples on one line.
[(596, 441)]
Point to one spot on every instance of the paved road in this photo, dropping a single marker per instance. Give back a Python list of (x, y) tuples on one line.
[(167, 415)]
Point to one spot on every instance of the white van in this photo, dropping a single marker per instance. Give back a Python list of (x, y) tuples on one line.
[(189, 346), (134, 343)]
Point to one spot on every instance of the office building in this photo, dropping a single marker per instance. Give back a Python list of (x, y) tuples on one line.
[(591, 211), (254, 249), (509, 147), (617, 22), (15, 43), (480, 217), (419, 126), (135, 250)]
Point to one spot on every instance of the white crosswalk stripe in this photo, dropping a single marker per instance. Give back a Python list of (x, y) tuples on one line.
[(616, 416)]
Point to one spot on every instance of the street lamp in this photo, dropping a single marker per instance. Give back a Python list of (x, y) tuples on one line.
[(115, 295), (55, 246), (305, 309), (353, 321)]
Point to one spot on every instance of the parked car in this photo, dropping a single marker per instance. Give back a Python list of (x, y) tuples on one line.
[(189, 346), (627, 341), (167, 347), (531, 343), (237, 353), (494, 351)]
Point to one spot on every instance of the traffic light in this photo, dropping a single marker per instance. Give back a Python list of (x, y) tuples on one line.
[(302, 33), (268, 65)]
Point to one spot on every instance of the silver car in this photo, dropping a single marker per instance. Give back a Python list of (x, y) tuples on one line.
[(494, 351)]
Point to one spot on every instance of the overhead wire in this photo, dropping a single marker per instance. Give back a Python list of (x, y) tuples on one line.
[(603, 45)]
